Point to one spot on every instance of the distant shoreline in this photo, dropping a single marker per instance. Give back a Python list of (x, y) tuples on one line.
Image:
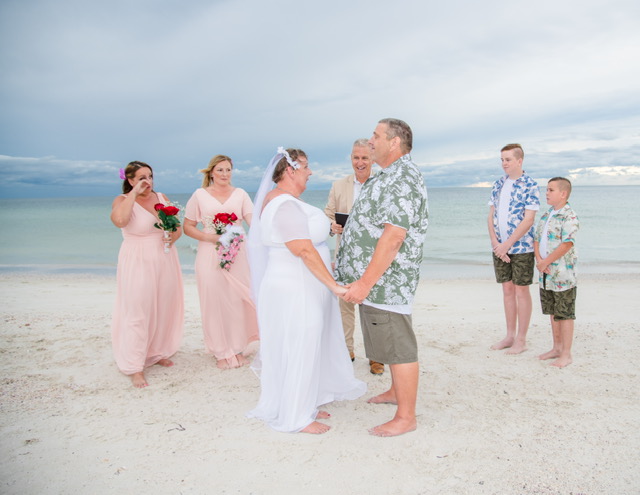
[(251, 192), (429, 270)]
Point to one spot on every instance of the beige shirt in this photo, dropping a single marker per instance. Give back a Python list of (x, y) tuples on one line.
[(340, 200)]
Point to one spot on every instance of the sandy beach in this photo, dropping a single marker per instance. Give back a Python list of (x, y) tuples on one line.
[(489, 423)]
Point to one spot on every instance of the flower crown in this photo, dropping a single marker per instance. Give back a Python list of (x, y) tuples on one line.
[(294, 165)]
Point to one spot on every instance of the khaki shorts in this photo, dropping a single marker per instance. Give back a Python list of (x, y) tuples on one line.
[(562, 305), (388, 336), (519, 271)]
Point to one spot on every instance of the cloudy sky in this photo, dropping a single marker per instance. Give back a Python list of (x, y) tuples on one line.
[(87, 86)]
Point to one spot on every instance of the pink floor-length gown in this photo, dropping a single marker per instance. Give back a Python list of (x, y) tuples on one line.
[(148, 317), (229, 321)]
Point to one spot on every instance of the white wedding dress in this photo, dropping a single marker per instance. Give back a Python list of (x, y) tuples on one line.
[(304, 359)]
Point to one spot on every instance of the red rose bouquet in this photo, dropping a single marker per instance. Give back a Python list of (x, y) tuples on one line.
[(231, 236), (169, 222), (221, 221)]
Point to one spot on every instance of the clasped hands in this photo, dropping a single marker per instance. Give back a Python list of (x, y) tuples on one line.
[(354, 293), (542, 266), (501, 250)]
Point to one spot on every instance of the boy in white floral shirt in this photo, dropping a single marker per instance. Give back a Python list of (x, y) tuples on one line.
[(515, 199), (554, 248)]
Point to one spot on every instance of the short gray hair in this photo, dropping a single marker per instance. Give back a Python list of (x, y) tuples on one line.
[(361, 143), (399, 128)]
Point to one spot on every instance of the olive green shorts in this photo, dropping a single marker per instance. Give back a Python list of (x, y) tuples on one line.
[(562, 305), (388, 337), (519, 270)]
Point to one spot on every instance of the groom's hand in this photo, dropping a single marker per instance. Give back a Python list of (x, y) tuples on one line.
[(357, 292)]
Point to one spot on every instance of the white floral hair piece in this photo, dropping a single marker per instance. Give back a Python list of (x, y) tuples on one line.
[(294, 165)]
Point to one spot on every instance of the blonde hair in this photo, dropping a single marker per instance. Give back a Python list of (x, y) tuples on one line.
[(207, 180)]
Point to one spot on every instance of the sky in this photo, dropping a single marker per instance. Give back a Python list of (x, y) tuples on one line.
[(88, 86)]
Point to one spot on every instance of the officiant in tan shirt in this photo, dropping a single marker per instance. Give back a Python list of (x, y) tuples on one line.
[(343, 194)]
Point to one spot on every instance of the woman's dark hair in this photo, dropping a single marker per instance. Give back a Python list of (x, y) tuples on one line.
[(130, 172)]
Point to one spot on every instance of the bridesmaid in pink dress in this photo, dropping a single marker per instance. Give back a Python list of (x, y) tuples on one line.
[(229, 319), (149, 311)]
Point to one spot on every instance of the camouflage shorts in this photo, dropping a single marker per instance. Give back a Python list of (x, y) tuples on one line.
[(562, 305), (519, 271)]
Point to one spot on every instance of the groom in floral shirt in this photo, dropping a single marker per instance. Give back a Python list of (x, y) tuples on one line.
[(379, 261)]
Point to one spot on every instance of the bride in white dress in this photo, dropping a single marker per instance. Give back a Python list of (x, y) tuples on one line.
[(304, 362)]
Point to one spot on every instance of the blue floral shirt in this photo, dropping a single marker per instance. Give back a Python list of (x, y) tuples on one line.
[(563, 227), (524, 196), (396, 195)]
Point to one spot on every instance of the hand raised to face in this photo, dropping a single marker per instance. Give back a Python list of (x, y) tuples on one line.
[(142, 182)]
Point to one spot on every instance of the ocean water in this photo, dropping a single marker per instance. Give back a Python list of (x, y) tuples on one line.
[(76, 235)]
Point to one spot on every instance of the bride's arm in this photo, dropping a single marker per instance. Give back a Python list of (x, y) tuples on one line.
[(291, 224), (304, 249)]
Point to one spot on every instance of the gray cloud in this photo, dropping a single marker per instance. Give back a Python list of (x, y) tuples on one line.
[(175, 83)]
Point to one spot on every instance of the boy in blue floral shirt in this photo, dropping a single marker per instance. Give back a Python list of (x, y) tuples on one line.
[(554, 247), (512, 210)]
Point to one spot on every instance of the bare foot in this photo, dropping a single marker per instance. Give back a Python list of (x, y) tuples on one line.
[(561, 362), (223, 364), (138, 380), (549, 355), (517, 348), (242, 361), (165, 362), (503, 344), (387, 397), (394, 428), (323, 415), (316, 428), (233, 362)]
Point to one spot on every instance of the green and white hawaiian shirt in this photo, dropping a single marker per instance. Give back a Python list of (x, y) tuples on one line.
[(563, 227), (396, 195)]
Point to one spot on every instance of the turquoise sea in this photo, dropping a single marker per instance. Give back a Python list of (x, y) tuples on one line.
[(75, 234)]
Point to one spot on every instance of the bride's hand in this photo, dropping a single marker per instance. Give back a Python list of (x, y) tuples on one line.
[(339, 290)]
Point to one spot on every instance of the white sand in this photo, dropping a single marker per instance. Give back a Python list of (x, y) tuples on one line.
[(488, 423)]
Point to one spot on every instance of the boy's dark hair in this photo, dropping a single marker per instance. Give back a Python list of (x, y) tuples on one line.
[(563, 183)]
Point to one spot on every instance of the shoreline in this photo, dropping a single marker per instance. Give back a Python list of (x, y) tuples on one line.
[(429, 270), (489, 423)]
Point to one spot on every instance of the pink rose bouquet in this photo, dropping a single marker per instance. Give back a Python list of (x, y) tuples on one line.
[(231, 236), (229, 245)]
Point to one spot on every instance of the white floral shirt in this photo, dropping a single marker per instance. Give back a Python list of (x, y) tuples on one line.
[(396, 195), (525, 196), (563, 227)]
